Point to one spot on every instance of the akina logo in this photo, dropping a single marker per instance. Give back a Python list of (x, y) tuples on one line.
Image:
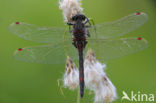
[(138, 96)]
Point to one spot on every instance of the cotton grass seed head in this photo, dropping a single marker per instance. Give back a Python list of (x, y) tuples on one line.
[(71, 76), (106, 91), (70, 8), (93, 70), (96, 79)]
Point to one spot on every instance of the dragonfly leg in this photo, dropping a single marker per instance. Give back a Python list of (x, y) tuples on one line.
[(92, 24), (88, 33), (85, 42), (88, 26), (69, 23), (75, 44), (70, 30), (87, 21)]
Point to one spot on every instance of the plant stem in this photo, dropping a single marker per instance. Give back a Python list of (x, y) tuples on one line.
[(78, 96)]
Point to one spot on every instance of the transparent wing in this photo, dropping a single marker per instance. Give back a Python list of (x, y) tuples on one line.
[(38, 34), (46, 54), (119, 27), (114, 48)]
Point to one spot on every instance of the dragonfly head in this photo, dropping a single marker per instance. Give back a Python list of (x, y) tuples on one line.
[(78, 17)]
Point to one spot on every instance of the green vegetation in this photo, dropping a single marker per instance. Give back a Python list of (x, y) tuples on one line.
[(37, 83)]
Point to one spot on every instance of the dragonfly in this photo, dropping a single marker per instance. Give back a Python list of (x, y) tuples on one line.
[(104, 39)]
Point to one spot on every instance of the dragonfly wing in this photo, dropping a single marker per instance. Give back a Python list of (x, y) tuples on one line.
[(45, 54), (38, 34), (119, 27), (70, 50), (114, 48)]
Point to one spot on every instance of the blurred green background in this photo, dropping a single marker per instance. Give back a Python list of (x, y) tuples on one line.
[(37, 83)]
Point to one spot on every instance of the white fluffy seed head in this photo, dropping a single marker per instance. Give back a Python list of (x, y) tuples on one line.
[(71, 76), (96, 79), (106, 91), (70, 8), (93, 70)]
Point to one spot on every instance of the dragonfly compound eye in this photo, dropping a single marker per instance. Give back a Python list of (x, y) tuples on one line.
[(73, 18), (83, 17)]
